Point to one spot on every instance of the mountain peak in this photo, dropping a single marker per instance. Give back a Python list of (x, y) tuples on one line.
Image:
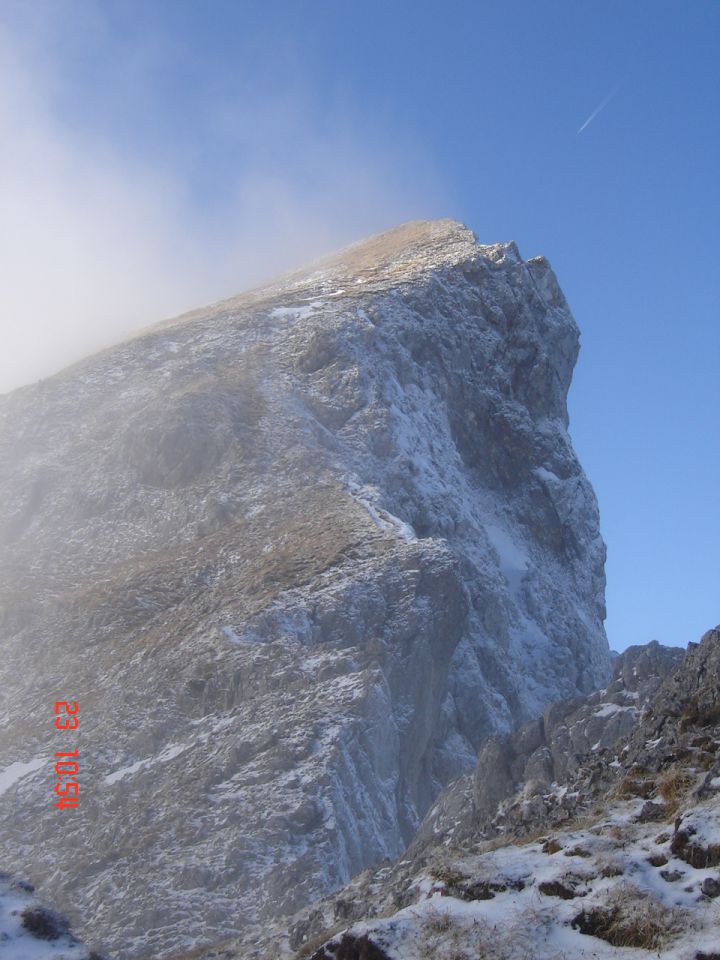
[(382, 261), (313, 544), (407, 248)]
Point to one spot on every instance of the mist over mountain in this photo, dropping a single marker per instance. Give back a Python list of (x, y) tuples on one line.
[(295, 556)]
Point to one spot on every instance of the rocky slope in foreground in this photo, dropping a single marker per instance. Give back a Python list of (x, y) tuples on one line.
[(294, 556), (602, 839)]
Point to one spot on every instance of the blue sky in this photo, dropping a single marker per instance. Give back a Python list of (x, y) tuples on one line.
[(165, 153)]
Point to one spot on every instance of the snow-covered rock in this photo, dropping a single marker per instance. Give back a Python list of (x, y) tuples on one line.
[(29, 930), (620, 858), (611, 891), (295, 556)]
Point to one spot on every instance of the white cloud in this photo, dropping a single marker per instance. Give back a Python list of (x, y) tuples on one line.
[(97, 240)]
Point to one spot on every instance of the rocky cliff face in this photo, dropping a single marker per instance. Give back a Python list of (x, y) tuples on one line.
[(574, 739), (295, 556), (617, 856)]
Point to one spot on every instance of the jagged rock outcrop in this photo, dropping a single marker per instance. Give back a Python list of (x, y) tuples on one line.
[(623, 847), (295, 556), (571, 736)]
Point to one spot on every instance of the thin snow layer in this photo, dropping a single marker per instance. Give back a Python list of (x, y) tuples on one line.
[(617, 863)]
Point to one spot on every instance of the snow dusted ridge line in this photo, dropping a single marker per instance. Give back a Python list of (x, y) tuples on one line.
[(304, 530)]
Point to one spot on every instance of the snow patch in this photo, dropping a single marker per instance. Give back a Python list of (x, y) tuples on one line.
[(231, 635), (16, 942), (167, 754), (514, 562), (383, 519), (609, 709), (16, 771), (299, 312)]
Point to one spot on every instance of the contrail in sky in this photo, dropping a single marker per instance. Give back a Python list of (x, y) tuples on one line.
[(601, 106)]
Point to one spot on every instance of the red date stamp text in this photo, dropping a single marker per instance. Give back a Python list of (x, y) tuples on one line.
[(67, 766)]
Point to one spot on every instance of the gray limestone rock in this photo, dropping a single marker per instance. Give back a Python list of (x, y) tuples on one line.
[(572, 736)]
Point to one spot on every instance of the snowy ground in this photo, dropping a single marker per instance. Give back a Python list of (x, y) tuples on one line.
[(29, 931), (534, 900)]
